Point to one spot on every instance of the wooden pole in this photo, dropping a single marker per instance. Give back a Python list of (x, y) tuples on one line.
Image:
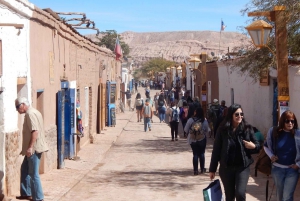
[(281, 53)]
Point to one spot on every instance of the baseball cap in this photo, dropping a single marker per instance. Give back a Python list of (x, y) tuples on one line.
[(215, 100)]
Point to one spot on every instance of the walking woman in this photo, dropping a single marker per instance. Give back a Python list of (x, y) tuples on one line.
[(234, 143), (139, 104), (198, 145), (156, 102), (184, 111), (283, 146), (161, 108), (173, 113)]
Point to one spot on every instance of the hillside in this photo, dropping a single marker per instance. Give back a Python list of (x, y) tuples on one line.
[(178, 45)]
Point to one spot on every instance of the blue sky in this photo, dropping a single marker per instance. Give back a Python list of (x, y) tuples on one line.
[(155, 15)]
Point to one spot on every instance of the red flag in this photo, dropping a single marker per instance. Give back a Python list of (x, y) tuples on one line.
[(118, 50)]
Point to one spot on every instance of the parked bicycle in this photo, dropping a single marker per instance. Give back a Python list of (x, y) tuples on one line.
[(121, 105)]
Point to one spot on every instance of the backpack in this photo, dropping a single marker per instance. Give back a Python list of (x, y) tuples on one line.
[(139, 102), (175, 115), (196, 132), (147, 92), (221, 112), (185, 112), (147, 110), (213, 112), (161, 103), (263, 163)]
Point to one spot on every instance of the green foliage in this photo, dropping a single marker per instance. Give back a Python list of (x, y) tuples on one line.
[(108, 39), (254, 60), (153, 66)]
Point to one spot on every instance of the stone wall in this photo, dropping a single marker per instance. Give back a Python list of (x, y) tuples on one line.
[(12, 165), (51, 155)]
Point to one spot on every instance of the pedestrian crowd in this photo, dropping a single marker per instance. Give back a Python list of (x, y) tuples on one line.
[(235, 141)]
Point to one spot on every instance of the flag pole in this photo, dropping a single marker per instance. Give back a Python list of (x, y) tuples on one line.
[(220, 42)]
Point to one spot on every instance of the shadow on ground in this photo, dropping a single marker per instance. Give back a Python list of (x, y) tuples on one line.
[(155, 180)]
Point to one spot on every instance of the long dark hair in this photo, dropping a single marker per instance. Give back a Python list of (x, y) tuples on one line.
[(138, 96), (199, 114), (161, 97), (287, 115), (227, 122)]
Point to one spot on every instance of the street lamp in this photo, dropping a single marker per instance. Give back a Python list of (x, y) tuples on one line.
[(259, 32), (194, 61), (278, 15), (179, 69)]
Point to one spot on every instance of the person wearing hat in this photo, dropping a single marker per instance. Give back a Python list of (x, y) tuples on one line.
[(33, 145)]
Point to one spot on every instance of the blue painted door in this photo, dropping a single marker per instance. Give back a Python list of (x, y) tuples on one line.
[(69, 123), (65, 125)]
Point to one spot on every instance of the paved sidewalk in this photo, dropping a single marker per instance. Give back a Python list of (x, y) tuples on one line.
[(58, 182)]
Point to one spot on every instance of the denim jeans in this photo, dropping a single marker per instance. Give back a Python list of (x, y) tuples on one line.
[(198, 154), (235, 180), (286, 181), (30, 178), (147, 123), (162, 113)]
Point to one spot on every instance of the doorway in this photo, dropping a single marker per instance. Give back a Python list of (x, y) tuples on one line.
[(40, 108)]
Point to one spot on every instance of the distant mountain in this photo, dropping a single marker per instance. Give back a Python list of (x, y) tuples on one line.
[(178, 45)]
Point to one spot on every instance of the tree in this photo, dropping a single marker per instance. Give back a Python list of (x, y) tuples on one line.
[(153, 66), (255, 60), (108, 39)]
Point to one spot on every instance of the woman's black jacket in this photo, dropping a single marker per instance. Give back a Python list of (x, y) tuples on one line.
[(221, 146)]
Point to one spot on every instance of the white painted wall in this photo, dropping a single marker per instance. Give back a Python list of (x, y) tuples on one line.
[(294, 84), (256, 100), (16, 59), (125, 75)]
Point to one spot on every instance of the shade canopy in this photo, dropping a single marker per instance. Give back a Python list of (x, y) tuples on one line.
[(259, 32)]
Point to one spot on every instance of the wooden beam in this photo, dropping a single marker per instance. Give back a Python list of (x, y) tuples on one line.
[(17, 26), (269, 14), (262, 13)]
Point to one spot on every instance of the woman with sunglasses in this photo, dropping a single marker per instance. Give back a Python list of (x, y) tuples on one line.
[(283, 146), (233, 146)]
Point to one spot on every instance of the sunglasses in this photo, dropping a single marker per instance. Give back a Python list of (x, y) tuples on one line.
[(18, 106), (239, 114), (289, 121)]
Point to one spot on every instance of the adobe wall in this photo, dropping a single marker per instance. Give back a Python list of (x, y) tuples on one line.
[(58, 52), (45, 52)]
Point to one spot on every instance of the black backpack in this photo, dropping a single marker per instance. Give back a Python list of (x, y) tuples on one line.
[(161, 103)]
